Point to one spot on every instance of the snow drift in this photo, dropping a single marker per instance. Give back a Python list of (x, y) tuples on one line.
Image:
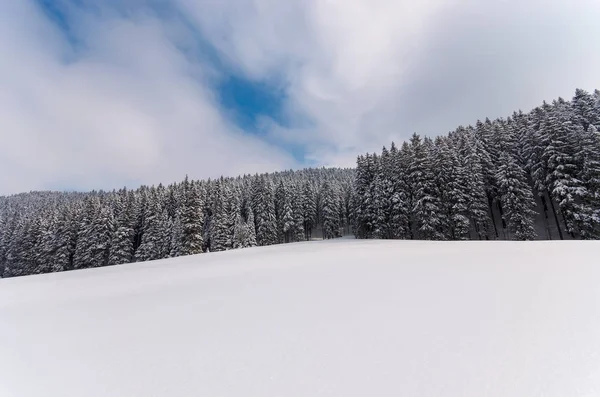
[(333, 318)]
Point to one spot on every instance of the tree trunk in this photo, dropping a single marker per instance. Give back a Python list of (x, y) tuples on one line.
[(491, 205), (476, 226), (546, 218), (501, 214), (562, 213), (560, 234)]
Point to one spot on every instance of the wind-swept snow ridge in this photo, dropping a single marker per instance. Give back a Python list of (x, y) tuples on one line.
[(332, 318)]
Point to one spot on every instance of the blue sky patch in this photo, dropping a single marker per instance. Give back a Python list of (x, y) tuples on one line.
[(58, 12), (249, 100), (244, 102)]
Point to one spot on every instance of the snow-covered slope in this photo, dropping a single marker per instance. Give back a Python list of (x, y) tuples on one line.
[(338, 318)]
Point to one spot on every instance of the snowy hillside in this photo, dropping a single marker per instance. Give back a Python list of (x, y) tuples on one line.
[(332, 318)]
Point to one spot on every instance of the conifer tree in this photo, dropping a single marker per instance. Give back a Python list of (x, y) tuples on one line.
[(584, 112), (477, 200), (192, 219), (245, 233), (225, 215), (397, 191), (516, 198), (566, 189), (151, 246), (264, 212), (426, 196), (308, 209), (122, 244), (176, 237), (64, 240), (330, 212)]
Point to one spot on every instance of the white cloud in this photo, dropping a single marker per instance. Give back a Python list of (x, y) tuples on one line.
[(128, 109), (365, 72), (357, 73)]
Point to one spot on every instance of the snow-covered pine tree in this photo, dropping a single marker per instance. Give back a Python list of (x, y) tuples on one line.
[(589, 155), (360, 197), (245, 233), (20, 250), (83, 256), (8, 225), (382, 191), (586, 156), (584, 112), (191, 217), (139, 212), (121, 250), (516, 197), (537, 163), (477, 200), (308, 208), (165, 226), (565, 188), (427, 211), (284, 213), (452, 180), (151, 246), (95, 235), (172, 199), (330, 210), (64, 240), (176, 237), (405, 160), (488, 156), (225, 211), (378, 202), (263, 205), (397, 191)]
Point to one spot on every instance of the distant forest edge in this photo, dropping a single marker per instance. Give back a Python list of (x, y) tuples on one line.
[(530, 176)]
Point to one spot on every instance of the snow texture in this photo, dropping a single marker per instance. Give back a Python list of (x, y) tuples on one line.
[(333, 318)]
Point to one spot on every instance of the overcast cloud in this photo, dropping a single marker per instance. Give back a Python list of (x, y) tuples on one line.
[(128, 97)]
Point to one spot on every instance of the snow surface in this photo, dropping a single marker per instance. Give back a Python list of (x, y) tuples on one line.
[(335, 318)]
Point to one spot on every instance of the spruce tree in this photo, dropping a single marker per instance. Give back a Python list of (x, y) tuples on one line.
[(331, 227), (121, 250), (264, 212), (151, 246), (566, 189), (474, 182), (584, 112), (225, 215), (516, 198), (427, 211), (308, 209), (397, 191), (191, 218)]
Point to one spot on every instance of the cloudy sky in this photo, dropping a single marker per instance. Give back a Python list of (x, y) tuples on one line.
[(107, 93)]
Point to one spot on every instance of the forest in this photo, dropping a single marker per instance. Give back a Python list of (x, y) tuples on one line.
[(529, 176)]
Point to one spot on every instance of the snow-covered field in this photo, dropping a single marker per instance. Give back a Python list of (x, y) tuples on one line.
[(337, 318)]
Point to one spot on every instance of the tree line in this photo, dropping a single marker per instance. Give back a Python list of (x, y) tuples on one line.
[(531, 175), (43, 232)]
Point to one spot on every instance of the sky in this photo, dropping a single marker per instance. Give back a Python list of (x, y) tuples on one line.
[(103, 94)]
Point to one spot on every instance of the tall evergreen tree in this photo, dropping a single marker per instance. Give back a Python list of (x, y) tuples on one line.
[(308, 209), (331, 227), (516, 198), (122, 244), (427, 211), (225, 214), (191, 217), (263, 205)]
